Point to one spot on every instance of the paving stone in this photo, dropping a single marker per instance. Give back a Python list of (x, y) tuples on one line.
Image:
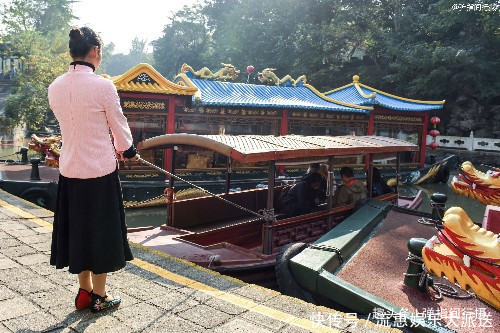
[(44, 269), (6, 293), (224, 306), (43, 247), (16, 307), (7, 226), (33, 259), (32, 285), (205, 316), (291, 306), (255, 293), (69, 316), (102, 322), (7, 263), (139, 316), (268, 322), (42, 230), (34, 322), (195, 294), (239, 325), (174, 302), (53, 297), (18, 273), (18, 251), (143, 290), (8, 243), (63, 277), (172, 323), (35, 239), (165, 283), (295, 329), (4, 235), (21, 232)]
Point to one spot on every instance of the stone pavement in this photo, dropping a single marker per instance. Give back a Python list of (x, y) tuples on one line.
[(159, 293)]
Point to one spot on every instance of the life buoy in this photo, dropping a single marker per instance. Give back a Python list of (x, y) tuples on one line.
[(36, 195), (286, 283)]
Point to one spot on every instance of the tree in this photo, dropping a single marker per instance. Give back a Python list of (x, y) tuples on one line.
[(31, 33), (119, 63)]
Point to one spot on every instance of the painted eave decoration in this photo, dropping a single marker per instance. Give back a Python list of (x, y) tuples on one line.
[(297, 95), (360, 94), (144, 78)]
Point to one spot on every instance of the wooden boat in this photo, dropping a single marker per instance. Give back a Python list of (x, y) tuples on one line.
[(214, 234)]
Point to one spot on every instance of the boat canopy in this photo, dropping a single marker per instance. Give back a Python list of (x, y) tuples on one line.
[(258, 148)]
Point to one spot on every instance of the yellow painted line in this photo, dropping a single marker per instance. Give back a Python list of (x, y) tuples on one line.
[(196, 285), (25, 214), (232, 298)]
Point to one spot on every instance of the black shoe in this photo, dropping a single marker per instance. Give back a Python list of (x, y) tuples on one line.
[(99, 303)]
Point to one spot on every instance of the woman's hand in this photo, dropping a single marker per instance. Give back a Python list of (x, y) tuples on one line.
[(132, 159)]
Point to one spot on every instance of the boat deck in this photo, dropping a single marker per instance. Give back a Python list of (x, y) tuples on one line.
[(383, 258)]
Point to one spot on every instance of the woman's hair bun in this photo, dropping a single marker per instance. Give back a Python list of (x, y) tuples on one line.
[(75, 34), (81, 40)]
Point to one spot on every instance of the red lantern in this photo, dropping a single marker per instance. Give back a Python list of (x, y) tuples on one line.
[(433, 145), (434, 133), (250, 69), (435, 120)]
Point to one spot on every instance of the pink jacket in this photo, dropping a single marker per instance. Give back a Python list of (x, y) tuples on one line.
[(87, 106)]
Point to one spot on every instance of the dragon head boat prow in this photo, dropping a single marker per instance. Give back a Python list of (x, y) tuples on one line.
[(483, 187), (466, 254)]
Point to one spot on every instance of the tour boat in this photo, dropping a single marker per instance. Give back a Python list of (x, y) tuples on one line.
[(244, 241)]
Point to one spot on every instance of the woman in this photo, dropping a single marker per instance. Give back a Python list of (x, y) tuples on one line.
[(90, 235)]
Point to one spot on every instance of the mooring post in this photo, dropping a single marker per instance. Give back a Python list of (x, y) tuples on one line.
[(24, 155), (35, 173)]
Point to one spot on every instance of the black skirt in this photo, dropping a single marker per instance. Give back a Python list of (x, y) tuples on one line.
[(89, 225)]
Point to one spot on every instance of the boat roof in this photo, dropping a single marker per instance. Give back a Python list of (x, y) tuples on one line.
[(257, 148), (358, 93)]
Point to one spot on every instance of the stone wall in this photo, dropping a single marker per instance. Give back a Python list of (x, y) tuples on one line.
[(476, 157)]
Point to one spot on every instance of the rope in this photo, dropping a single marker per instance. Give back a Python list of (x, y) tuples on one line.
[(329, 249), (132, 204), (267, 215), (439, 289)]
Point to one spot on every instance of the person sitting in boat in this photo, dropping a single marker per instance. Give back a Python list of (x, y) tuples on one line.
[(351, 191), (313, 168), (379, 186), (300, 199), (321, 169)]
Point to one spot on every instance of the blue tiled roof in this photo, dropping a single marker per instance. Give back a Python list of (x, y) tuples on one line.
[(242, 94), (351, 95)]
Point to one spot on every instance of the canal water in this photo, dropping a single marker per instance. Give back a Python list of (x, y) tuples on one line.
[(141, 217)]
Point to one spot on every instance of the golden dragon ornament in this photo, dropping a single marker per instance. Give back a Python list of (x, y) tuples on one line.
[(480, 186)]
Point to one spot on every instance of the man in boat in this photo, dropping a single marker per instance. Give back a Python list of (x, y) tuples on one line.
[(351, 191), (322, 169), (300, 199)]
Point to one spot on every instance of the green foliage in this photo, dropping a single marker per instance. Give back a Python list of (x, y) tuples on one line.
[(37, 31), (422, 49), (119, 63)]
